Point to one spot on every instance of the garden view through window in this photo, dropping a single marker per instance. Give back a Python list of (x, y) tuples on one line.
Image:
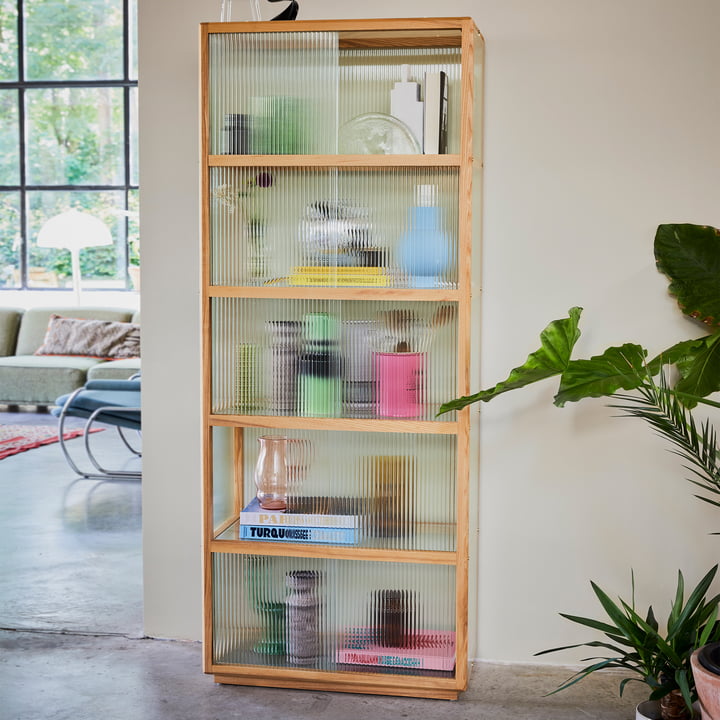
[(68, 137)]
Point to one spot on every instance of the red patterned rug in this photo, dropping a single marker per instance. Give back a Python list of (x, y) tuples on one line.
[(18, 438)]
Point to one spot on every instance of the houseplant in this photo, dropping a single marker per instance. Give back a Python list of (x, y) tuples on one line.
[(637, 645), (690, 256)]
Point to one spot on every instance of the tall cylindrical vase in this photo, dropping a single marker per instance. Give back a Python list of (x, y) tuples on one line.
[(302, 617), (284, 336)]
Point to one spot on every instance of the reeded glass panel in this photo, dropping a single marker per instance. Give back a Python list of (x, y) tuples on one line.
[(73, 39), (273, 93), (9, 239), (397, 618), (100, 267), (8, 40), (75, 136), (298, 93), (9, 138), (223, 476), (367, 80), (383, 490), (396, 227), (318, 358)]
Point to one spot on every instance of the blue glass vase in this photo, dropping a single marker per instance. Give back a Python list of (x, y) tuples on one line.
[(424, 249)]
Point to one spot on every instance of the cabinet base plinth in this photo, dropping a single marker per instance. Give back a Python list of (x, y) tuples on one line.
[(399, 686)]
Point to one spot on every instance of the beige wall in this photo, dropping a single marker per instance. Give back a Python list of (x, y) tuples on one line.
[(601, 122)]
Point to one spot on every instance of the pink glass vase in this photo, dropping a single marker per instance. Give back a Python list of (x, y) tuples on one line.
[(271, 472)]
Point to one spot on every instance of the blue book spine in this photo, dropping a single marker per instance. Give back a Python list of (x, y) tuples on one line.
[(282, 533)]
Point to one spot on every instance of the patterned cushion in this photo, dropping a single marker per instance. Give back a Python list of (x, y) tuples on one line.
[(91, 338)]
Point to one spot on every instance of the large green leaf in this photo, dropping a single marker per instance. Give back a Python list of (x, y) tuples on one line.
[(557, 341), (682, 355), (701, 374), (602, 375), (690, 256)]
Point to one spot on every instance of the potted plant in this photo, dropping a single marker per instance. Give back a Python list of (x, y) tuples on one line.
[(659, 659), (690, 256)]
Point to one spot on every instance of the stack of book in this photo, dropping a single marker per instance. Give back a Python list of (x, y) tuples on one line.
[(426, 650), (333, 276), (326, 529)]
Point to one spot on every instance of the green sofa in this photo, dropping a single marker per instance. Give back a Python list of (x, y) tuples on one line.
[(29, 379)]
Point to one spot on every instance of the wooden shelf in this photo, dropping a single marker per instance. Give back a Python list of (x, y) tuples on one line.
[(366, 33), (375, 162), (334, 293), (428, 427), (333, 552), (437, 688)]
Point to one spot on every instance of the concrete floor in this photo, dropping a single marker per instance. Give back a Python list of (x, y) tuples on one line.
[(71, 642)]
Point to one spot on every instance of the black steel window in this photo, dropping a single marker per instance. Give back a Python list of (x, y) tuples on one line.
[(68, 137)]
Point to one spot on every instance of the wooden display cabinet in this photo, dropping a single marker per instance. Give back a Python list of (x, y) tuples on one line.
[(338, 313)]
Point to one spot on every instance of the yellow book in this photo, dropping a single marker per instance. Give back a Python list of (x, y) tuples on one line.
[(322, 276)]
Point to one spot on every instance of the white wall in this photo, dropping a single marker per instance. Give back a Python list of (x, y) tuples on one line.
[(601, 123)]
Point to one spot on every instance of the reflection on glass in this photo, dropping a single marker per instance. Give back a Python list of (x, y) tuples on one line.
[(73, 39), (75, 136), (8, 40), (101, 267), (9, 138), (9, 239)]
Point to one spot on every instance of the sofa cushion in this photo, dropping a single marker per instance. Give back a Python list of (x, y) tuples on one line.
[(9, 326), (105, 339), (39, 379), (114, 369), (35, 322)]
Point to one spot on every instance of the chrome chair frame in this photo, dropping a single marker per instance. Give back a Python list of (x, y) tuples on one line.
[(102, 473)]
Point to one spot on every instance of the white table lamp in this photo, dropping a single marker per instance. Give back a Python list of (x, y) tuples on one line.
[(74, 230)]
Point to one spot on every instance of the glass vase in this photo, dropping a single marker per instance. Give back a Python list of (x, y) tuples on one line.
[(271, 472)]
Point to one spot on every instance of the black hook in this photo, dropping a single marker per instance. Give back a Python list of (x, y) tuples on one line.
[(289, 13)]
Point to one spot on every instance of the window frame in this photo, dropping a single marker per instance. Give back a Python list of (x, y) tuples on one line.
[(22, 188)]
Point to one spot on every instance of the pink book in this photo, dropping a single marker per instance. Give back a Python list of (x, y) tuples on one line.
[(426, 650)]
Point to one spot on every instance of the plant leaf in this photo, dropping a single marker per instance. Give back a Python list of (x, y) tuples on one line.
[(595, 625), (592, 643), (683, 682), (581, 674), (602, 375), (629, 629), (677, 605), (695, 600), (682, 355), (557, 341), (710, 627), (690, 256), (701, 374)]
